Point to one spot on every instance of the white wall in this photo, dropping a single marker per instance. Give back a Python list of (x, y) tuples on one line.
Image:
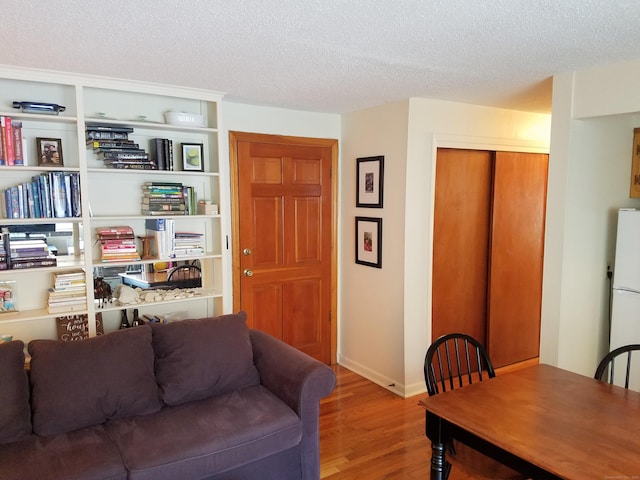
[(594, 113), (386, 328), (370, 338)]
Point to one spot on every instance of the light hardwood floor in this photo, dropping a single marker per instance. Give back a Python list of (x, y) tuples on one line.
[(369, 433)]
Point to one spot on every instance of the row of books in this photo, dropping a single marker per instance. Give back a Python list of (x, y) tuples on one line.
[(11, 142), (68, 293), (161, 153), (112, 145), (23, 253), (54, 194), (117, 244)]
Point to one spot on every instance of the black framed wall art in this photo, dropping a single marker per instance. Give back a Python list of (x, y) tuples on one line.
[(369, 241), (370, 181)]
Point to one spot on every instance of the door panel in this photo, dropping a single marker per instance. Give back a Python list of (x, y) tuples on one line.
[(302, 301), (517, 249), (265, 310), (285, 236), (267, 225), (461, 245)]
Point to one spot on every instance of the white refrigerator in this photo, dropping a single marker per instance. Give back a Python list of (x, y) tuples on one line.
[(625, 308)]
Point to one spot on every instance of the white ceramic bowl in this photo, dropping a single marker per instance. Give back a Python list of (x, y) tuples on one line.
[(184, 119)]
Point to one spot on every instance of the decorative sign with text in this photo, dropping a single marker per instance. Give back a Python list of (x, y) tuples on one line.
[(76, 327)]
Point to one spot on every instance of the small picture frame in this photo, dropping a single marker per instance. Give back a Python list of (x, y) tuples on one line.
[(370, 181), (49, 152), (192, 157), (8, 296), (369, 241)]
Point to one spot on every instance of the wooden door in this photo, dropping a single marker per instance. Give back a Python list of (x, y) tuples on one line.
[(517, 249), (461, 242), (284, 268)]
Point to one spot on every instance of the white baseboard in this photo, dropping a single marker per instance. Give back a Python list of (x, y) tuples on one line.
[(373, 376)]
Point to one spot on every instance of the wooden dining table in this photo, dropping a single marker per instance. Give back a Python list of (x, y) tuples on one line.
[(542, 421)]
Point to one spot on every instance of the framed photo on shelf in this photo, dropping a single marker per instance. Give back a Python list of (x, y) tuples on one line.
[(8, 296), (370, 181), (369, 241), (49, 152), (192, 157)]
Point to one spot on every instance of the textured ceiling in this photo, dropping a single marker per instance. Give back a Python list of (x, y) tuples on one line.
[(329, 55)]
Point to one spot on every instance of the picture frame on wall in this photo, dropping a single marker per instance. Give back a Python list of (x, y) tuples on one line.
[(49, 152), (192, 157), (370, 181), (369, 241)]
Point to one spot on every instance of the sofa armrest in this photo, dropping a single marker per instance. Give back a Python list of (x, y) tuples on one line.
[(300, 381), (293, 376)]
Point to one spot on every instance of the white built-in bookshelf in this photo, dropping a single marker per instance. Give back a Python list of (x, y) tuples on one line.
[(111, 196)]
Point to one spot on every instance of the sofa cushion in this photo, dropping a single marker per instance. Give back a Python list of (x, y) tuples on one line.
[(199, 439), (198, 358), (82, 383), (86, 454), (15, 412)]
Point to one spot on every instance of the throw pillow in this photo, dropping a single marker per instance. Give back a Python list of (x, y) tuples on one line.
[(15, 412), (87, 382), (199, 358)]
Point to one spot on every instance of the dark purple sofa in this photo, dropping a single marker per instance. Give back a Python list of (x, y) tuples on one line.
[(197, 399)]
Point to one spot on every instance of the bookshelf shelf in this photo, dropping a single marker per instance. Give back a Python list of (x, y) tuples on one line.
[(26, 168), (110, 196), (202, 294), (151, 125), (18, 115), (32, 314)]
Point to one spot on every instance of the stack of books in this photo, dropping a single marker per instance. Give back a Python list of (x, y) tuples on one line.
[(30, 253), (161, 153), (163, 198), (55, 194), (188, 244), (68, 292), (11, 142), (112, 145), (117, 244)]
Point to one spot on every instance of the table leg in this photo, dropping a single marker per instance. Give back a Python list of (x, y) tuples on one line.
[(440, 468)]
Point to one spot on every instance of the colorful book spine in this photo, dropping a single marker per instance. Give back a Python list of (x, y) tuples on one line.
[(7, 139), (18, 144), (2, 156)]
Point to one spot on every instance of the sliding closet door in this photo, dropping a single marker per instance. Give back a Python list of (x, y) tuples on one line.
[(516, 256), (461, 242)]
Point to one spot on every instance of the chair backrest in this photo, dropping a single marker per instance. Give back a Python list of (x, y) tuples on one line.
[(455, 360), (185, 276), (609, 361)]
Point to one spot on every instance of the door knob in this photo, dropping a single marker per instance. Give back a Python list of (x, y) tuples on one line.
[(247, 251), (248, 273)]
